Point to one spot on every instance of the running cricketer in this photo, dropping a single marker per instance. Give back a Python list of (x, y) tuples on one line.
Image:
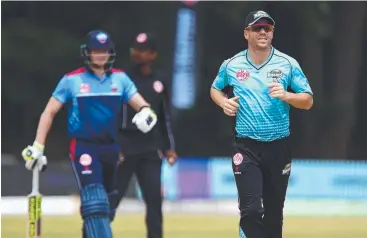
[(265, 83), (94, 94)]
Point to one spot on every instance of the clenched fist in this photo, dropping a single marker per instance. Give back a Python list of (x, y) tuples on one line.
[(171, 156), (277, 91), (230, 106)]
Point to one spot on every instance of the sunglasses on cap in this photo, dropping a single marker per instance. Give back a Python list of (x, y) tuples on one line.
[(259, 27)]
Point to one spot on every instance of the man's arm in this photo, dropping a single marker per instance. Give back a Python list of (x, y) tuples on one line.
[(229, 105), (33, 155), (302, 97), (145, 119), (131, 95), (52, 108), (217, 96), (165, 122), (137, 102), (300, 100), (59, 97)]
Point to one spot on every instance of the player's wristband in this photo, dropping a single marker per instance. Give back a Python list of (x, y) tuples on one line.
[(38, 146), (146, 106)]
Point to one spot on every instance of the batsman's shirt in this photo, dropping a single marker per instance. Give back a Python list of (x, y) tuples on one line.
[(94, 103), (259, 116)]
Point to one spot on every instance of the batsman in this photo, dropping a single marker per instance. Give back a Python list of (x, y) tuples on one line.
[(93, 95)]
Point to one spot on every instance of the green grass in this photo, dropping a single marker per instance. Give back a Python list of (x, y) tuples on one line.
[(191, 226)]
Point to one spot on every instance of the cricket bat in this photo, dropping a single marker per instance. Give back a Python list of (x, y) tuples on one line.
[(34, 207)]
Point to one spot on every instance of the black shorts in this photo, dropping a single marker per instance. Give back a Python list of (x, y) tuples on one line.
[(261, 171)]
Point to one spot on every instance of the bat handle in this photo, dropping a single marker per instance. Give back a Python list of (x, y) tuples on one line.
[(35, 180)]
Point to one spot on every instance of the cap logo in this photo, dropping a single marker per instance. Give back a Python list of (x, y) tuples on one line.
[(260, 14), (102, 37), (142, 37)]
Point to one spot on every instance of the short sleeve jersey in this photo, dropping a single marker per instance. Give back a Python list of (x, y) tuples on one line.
[(93, 103), (261, 117)]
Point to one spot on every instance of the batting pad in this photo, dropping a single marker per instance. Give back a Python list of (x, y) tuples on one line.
[(95, 211)]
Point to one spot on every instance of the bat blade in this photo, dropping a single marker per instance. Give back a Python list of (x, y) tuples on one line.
[(34, 216)]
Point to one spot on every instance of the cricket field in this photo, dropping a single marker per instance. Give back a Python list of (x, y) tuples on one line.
[(191, 226)]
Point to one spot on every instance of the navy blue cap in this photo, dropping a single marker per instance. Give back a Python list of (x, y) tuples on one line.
[(99, 40), (255, 16), (145, 41)]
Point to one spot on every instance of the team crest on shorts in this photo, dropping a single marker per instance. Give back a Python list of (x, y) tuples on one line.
[(158, 86), (237, 159), (242, 75), (85, 160)]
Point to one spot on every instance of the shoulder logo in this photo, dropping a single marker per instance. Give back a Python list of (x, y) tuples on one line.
[(242, 75), (158, 86)]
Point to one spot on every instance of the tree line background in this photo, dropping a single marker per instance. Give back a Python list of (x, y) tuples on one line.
[(40, 43)]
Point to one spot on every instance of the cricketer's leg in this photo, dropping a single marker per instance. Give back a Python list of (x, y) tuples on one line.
[(109, 160), (277, 166), (249, 181), (94, 206), (109, 156), (149, 177), (124, 173), (112, 198)]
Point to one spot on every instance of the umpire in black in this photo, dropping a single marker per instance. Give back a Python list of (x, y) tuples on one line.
[(143, 153)]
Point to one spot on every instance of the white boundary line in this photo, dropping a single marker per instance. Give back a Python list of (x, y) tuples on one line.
[(293, 207)]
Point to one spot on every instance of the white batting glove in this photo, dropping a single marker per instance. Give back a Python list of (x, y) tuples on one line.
[(33, 155), (145, 119), (42, 163)]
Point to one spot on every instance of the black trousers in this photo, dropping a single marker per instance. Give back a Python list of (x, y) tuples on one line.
[(261, 171), (147, 167)]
